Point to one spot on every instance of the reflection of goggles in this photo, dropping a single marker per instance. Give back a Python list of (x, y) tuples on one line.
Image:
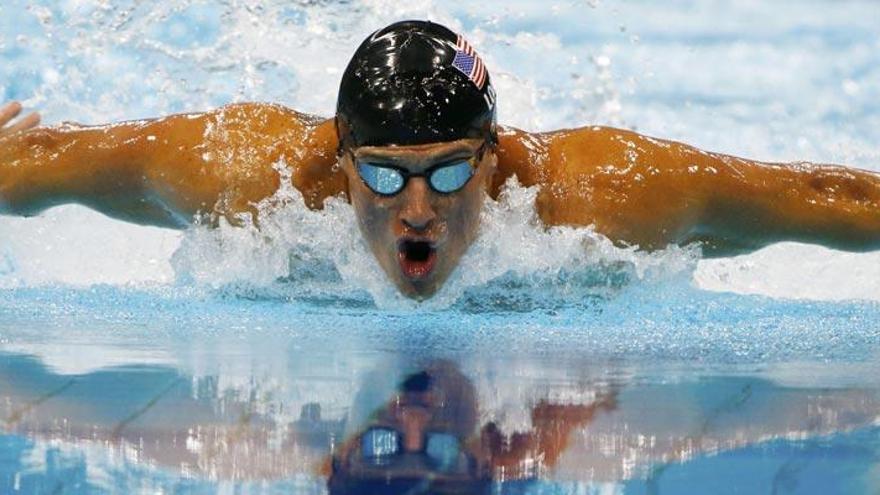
[(444, 178), (380, 465), (380, 445)]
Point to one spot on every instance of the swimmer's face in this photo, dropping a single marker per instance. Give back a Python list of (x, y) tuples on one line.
[(419, 234)]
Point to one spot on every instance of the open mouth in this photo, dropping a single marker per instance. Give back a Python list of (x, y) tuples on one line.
[(416, 258)]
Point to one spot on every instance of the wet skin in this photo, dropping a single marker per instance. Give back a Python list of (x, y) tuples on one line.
[(633, 189), (445, 224)]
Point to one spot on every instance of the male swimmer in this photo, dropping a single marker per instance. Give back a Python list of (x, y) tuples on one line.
[(416, 150)]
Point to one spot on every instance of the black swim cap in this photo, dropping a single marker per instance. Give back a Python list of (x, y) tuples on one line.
[(414, 82)]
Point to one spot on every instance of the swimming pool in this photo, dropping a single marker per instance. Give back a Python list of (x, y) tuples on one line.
[(137, 359)]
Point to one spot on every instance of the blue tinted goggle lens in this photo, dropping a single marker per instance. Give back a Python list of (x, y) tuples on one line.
[(382, 180), (451, 178), (389, 181)]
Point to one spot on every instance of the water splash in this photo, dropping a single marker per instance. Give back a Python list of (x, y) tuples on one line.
[(291, 252)]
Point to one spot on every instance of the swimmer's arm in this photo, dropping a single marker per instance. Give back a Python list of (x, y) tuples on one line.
[(650, 193), (167, 171), (750, 205), (103, 167)]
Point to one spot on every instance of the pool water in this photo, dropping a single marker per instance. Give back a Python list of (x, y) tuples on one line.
[(141, 360)]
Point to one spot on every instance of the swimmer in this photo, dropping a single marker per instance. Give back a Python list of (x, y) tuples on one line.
[(416, 149)]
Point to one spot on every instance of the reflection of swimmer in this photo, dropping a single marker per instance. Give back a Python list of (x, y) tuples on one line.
[(417, 150), (180, 423), (424, 439), (425, 431)]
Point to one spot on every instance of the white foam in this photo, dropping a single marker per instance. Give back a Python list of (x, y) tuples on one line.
[(72, 245), (322, 251)]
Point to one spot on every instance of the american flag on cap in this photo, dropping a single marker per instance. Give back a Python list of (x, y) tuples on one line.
[(469, 63)]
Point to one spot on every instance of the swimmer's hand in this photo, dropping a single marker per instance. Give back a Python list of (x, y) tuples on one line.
[(9, 112)]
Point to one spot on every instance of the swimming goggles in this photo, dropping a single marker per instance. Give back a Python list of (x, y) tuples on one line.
[(443, 178)]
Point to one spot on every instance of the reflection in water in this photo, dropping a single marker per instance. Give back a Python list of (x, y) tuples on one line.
[(425, 439), (426, 428)]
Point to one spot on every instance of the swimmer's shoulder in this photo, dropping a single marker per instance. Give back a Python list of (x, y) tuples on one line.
[(264, 118), (629, 187), (233, 152), (260, 135), (268, 132), (538, 158)]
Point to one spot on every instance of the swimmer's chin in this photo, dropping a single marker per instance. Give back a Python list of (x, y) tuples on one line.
[(418, 290)]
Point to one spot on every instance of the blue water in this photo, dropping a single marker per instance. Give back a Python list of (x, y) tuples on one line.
[(139, 360)]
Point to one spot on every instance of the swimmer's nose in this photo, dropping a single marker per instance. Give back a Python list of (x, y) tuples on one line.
[(417, 213)]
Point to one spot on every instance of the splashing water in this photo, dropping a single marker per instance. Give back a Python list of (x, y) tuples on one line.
[(290, 251)]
